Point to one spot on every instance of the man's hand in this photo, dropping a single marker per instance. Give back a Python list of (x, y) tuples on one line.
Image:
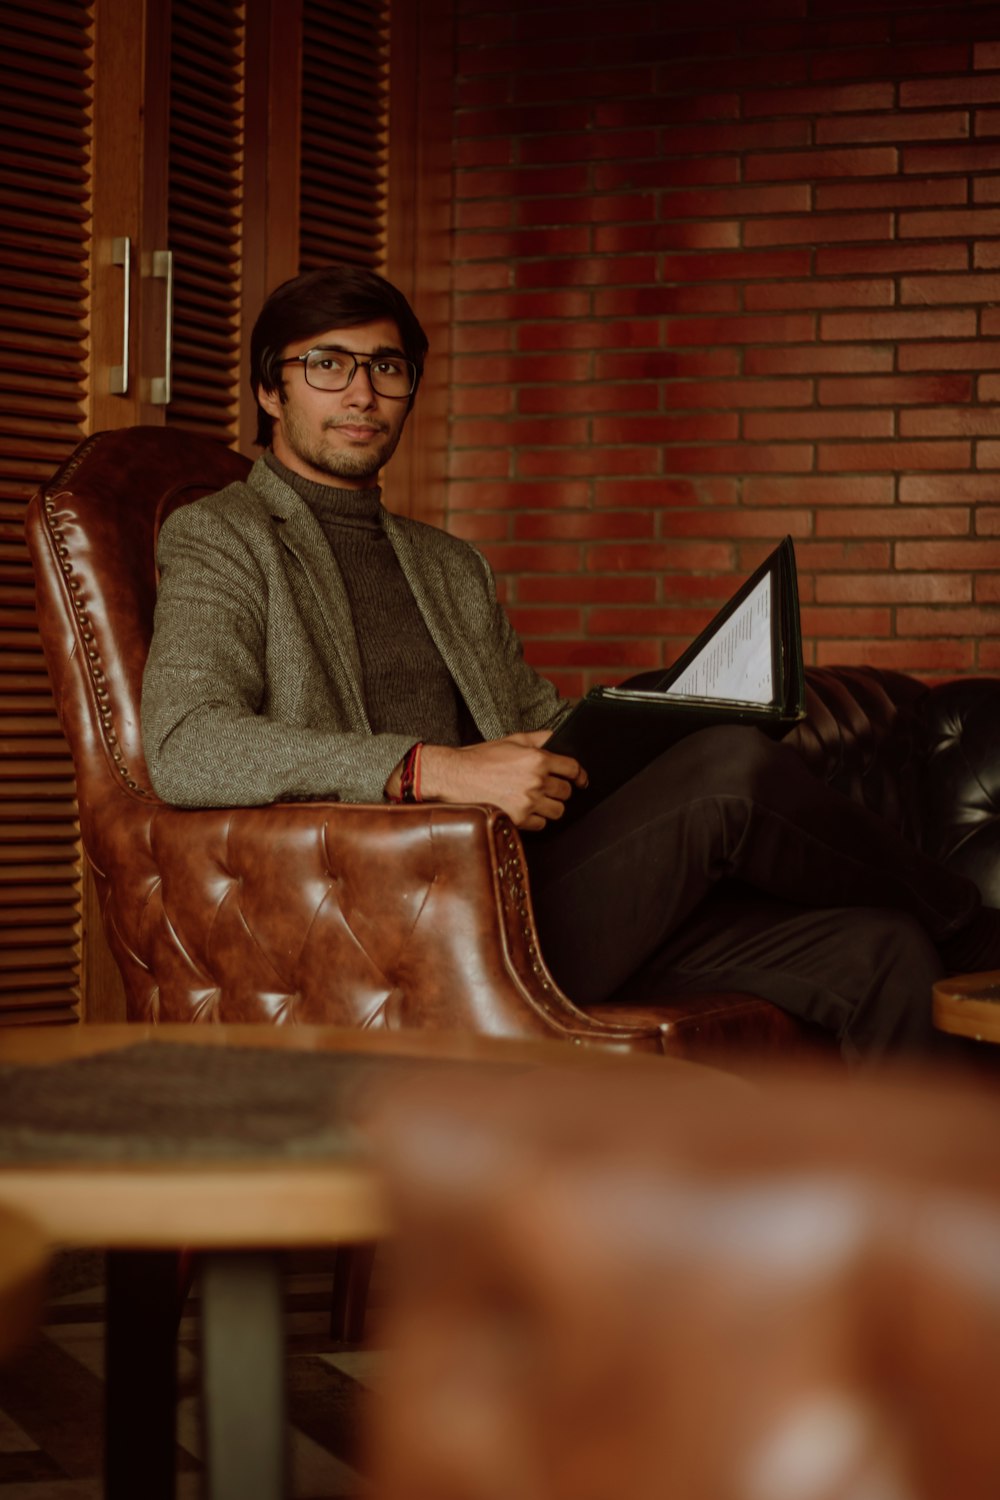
[(517, 774)]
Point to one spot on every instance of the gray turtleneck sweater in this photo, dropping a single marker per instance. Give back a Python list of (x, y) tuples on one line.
[(407, 687)]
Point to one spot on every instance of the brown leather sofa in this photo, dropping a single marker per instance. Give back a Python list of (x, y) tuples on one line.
[(380, 916)]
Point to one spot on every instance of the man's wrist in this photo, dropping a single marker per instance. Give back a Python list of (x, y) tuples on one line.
[(435, 772)]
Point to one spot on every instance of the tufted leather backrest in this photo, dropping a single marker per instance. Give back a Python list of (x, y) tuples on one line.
[(924, 757), (858, 735), (955, 781), (92, 531)]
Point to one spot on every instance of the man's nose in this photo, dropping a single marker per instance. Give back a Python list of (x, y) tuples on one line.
[(360, 391)]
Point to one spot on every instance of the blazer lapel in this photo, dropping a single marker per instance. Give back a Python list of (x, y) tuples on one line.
[(300, 534)]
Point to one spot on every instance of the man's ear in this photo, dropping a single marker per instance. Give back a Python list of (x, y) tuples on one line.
[(270, 401)]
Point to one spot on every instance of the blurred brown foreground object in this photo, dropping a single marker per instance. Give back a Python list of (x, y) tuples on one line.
[(617, 1291)]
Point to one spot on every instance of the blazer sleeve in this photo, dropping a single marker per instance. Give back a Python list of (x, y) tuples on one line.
[(208, 735)]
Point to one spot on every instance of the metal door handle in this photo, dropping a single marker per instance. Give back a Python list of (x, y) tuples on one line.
[(121, 255), (163, 269)]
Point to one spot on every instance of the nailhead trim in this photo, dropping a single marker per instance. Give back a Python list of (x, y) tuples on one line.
[(511, 872), (86, 631)]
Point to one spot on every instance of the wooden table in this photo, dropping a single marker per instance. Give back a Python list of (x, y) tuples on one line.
[(235, 1209), (968, 1005)]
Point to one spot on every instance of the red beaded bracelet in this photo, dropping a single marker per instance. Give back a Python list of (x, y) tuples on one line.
[(416, 774), (409, 775)]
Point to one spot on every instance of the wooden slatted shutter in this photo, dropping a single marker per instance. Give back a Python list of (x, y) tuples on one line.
[(46, 99), (344, 153), (205, 213)]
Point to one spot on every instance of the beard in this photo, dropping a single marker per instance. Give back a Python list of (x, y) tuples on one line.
[(347, 460)]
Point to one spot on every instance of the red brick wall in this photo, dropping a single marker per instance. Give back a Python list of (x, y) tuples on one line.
[(716, 284)]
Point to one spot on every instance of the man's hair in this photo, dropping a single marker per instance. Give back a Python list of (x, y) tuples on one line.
[(337, 296)]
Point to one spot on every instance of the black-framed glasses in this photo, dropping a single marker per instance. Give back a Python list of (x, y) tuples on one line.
[(331, 369)]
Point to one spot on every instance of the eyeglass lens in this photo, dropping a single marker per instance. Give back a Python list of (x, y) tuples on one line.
[(333, 370)]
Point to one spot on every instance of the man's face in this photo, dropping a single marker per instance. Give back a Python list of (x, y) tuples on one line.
[(344, 437)]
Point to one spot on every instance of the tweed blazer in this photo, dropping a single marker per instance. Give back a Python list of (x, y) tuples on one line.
[(253, 691)]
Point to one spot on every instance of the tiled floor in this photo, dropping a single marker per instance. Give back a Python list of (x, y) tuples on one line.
[(51, 1396)]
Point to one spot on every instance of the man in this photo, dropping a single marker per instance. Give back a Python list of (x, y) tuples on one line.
[(309, 644)]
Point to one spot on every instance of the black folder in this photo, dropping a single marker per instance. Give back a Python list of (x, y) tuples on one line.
[(615, 731)]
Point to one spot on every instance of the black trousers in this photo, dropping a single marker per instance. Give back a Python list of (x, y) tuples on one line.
[(726, 864)]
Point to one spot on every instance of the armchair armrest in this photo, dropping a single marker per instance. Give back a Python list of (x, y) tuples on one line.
[(352, 914)]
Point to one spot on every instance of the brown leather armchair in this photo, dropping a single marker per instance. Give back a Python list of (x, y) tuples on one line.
[(368, 916)]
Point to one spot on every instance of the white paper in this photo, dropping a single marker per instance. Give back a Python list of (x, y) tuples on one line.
[(736, 663)]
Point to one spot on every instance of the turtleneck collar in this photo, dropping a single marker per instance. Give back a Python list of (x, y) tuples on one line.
[(327, 501)]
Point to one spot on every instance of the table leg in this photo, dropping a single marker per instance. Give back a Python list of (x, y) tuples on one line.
[(352, 1274), (141, 1375), (243, 1376)]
